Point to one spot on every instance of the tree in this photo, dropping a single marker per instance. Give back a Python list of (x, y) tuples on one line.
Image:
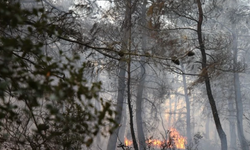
[(232, 22), (188, 126), (122, 72), (205, 75), (189, 20), (237, 86), (43, 98), (139, 96)]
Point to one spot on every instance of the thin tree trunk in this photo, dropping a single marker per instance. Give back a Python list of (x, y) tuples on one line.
[(139, 98), (129, 15), (237, 86), (175, 109), (193, 124), (131, 109), (123, 124), (232, 124), (238, 99), (139, 102), (220, 131), (126, 28), (126, 46), (188, 124), (119, 106), (170, 113)]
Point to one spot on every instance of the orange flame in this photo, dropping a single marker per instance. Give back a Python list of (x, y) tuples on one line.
[(154, 142), (127, 142), (175, 140), (178, 140)]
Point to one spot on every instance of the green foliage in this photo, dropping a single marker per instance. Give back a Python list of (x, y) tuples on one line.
[(44, 102)]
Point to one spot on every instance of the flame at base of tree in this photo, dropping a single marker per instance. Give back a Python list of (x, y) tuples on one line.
[(127, 142), (175, 140)]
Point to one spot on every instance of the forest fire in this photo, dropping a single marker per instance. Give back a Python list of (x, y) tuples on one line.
[(175, 140), (128, 142), (178, 140)]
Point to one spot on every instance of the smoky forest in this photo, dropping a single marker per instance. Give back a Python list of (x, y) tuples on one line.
[(124, 74)]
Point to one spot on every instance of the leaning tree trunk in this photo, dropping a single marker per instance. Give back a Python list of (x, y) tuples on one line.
[(205, 75)]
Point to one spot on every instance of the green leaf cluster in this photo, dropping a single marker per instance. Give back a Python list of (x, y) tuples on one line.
[(45, 102)]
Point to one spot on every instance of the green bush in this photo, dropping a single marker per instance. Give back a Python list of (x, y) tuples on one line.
[(45, 102)]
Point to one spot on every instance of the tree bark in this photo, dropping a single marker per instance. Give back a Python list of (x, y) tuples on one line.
[(237, 87), (205, 75), (123, 127), (129, 25), (126, 28), (175, 110), (139, 103), (126, 46), (139, 98), (232, 127), (119, 106), (238, 98), (131, 109), (188, 124)]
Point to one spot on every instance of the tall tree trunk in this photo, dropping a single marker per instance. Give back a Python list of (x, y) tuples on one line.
[(193, 114), (129, 25), (126, 28), (238, 98), (188, 124), (237, 87), (232, 124), (123, 123), (130, 107), (139, 98), (119, 106), (139, 103), (205, 75), (170, 113), (175, 110)]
